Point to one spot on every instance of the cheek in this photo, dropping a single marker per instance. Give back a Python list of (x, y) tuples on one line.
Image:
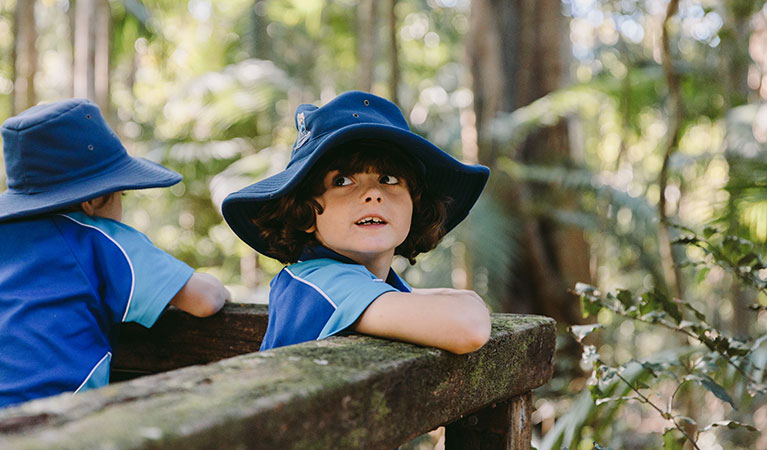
[(407, 211)]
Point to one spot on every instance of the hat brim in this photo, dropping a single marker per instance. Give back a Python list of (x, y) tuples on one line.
[(463, 183), (128, 174)]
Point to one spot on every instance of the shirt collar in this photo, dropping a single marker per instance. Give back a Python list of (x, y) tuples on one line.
[(321, 251)]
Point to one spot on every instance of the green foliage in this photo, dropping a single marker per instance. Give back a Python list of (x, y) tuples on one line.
[(703, 355)]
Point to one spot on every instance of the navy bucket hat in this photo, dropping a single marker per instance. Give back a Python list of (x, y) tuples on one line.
[(63, 153), (349, 117)]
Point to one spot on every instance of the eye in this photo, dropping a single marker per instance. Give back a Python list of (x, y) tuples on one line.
[(342, 181), (389, 179)]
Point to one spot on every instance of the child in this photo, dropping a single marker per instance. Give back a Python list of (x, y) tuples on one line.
[(360, 187), (70, 272)]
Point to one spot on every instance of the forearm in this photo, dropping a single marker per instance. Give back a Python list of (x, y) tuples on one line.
[(457, 321), (203, 295)]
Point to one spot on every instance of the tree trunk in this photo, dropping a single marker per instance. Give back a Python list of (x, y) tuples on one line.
[(393, 53), (735, 67), (515, 55), (24, 56), (258, 39), (366, 43), (102, 27), (91, 51)]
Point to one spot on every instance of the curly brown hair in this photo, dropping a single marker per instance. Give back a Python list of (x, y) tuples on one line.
[(282, 221)]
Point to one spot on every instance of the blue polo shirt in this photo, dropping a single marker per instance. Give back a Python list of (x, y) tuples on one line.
[(321, 295), (66, 282)]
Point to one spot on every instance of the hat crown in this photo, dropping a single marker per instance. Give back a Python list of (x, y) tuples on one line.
[(348, 109), (57, 142)]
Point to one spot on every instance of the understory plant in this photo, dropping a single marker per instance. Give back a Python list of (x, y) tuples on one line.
[(699, 363)]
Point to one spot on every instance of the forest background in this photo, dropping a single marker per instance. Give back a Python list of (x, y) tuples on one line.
[(626, 141)]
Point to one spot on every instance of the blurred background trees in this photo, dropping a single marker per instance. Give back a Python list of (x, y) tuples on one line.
[(604, 122)]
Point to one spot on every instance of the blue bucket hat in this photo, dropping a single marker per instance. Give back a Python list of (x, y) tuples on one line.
[(63, 153), (354, 116)]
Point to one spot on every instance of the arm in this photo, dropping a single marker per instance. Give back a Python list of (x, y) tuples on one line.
[(454, 320), (203, 295)]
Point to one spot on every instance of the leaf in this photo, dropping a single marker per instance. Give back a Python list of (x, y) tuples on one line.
[(698, 315), (738, 348), (748, 259), (758, 342), (625, 297), (622, 399), (586, 289), (654, 316), (581, 331), (590, 354), (590, 305), (672, 442), (731, 424), (756, 388), (607, 373), (712, 386), (654, 368), (689, 420), (701, 274), (657, 300)]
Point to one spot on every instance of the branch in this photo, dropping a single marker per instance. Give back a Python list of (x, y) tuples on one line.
[(665, 415), (675, 122), (686, 333)]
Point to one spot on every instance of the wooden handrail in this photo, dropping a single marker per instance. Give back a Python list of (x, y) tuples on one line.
[(342, 392)]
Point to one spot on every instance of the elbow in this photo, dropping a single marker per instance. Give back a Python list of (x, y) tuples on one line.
[(210, 300), (212, 303), (474, 335), (209, 307), (202, 296)]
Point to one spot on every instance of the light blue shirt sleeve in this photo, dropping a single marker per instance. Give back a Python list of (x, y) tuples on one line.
[(350, 288), (157, 276)]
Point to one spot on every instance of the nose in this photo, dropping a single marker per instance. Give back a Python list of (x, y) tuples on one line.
[(372, 193)]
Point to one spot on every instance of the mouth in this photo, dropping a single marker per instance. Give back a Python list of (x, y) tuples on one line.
[(371, 220)]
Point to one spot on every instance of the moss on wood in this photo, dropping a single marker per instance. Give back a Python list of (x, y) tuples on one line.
[(343, 392)]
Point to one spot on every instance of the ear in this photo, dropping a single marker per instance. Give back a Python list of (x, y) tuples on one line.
[(88, 207)]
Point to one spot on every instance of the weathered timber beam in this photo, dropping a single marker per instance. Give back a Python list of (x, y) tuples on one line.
[(501, 426), (343, 392), (179, 339)]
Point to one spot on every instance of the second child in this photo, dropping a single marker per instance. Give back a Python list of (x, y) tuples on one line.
[(70, 270)]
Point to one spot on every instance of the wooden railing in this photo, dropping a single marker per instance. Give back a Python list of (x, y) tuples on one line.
[(350, 392)]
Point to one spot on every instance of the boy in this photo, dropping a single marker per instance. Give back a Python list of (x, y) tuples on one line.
[(360, 187), (70, 272)]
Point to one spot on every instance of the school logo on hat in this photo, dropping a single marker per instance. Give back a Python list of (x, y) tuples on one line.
[(63, 153), (354, 116), (303, 133)]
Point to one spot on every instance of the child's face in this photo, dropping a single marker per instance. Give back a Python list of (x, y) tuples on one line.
[(365, 215)]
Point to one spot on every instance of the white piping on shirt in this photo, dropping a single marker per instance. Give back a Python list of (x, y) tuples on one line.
[(132, 274), (309, 283), (109, 354)]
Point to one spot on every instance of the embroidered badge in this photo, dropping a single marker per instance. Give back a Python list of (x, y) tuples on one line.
[(303, 133)]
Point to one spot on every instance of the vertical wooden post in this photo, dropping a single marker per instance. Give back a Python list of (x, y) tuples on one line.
[(503, 426)]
